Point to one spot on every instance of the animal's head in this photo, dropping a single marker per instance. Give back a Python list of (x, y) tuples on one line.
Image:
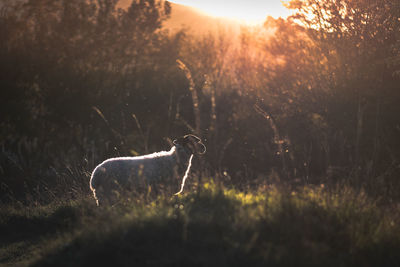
[(191, 144)]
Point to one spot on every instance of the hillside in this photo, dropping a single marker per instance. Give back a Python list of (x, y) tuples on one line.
[(194, 20), (214, 227), (198, 22)]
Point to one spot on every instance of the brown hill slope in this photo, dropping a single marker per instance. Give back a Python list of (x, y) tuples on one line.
[(198, 22), (194, 20)]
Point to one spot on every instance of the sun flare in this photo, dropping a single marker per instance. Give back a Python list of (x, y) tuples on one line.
[(249, 12)]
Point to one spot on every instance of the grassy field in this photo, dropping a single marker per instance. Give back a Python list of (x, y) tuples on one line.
[(214, 226)]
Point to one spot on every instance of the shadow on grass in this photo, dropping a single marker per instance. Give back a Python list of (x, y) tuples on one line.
[(32, 223)]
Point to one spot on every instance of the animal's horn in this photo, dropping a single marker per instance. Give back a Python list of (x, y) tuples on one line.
[(192, 137)]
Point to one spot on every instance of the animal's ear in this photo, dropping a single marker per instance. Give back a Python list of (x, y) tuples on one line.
[(179, 141)]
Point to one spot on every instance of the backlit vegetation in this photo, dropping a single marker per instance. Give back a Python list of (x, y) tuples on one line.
[(299, 116), (215, 226)]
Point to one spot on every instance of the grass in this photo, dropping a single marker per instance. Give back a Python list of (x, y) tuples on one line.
[(216, 226)]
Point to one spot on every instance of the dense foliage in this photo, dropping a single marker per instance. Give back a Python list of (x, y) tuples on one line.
[(306, 100), (300, 118)]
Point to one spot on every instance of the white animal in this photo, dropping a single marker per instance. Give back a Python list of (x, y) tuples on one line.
[(117, 175)]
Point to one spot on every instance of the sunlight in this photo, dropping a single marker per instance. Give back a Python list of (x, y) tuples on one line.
[(248, 12)]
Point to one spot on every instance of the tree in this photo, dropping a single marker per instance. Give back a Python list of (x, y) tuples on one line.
[(350, 44), (61, 61)]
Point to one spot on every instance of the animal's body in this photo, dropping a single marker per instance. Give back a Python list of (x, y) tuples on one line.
[(161, 169)]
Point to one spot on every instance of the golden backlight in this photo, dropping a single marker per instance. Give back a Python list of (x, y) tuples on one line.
[(246, 11)]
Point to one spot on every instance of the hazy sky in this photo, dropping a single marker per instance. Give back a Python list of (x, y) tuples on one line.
[(251, 11)]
